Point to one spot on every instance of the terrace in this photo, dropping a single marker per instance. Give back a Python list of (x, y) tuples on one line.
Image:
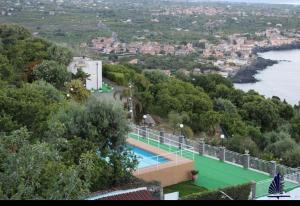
[(213, 173), (167, 167)]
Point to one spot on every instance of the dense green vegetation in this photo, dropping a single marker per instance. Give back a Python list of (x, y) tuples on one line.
[(20, 53), (268, 127), (171, 62), (56, 141), (74, 24), (184, 188), (239, 192)]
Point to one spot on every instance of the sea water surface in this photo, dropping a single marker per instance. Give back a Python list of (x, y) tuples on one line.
[(281, 80)]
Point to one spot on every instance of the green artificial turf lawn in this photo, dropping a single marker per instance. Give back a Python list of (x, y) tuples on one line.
[(214, 174), (184, 188), (106, 88)]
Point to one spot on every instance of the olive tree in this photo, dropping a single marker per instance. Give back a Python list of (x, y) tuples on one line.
[(53, 73)]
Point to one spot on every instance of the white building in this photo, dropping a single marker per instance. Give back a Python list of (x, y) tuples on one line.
[(89, 66)]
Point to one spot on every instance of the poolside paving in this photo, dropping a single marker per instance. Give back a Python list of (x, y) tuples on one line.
[(173, 158), (174, 171)]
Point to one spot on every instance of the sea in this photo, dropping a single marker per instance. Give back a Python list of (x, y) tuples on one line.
[(281, 80)]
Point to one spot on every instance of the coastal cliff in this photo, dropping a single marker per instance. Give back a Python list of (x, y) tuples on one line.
[(246, 74)]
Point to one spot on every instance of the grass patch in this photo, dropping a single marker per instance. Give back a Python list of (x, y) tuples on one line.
[(106, 88), (184, 188)]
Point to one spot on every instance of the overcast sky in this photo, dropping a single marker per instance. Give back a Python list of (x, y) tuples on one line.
[(261, 1)]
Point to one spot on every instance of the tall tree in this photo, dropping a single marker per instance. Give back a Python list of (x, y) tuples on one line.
[(30, 105), (60, 54), (34, 171), (53, 73), (6, 69), (77, 91)]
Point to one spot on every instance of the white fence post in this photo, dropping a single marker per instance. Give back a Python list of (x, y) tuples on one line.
[(172, 141), (201, 147), (272, 168), (222, 154)]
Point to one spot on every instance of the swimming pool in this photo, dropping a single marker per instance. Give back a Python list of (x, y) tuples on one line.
[(146, 158)]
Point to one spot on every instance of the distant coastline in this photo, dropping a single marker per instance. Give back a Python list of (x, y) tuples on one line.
[(247, 73), (295, 45)]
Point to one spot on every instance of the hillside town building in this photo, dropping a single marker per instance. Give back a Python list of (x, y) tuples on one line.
[(91, 67)]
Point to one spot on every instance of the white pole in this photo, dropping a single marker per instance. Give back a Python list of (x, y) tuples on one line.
[(97, 75), (158, 143)]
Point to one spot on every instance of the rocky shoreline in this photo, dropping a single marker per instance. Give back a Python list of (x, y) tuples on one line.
[(246, 74), (284, 47)]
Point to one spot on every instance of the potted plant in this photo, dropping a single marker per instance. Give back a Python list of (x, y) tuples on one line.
[(194, 174)]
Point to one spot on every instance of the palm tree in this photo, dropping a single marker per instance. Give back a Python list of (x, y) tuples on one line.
[(80, 74), (132, 103)]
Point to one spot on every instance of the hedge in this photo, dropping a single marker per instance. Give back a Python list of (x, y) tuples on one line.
[(238, 192), (118, 73), (119, 78)]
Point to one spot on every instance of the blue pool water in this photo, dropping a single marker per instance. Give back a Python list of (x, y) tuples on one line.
[(146, 158)]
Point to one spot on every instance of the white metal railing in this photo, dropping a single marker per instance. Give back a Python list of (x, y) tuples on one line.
[(291, 181), (234, 157), (167, 144), (172, 141), (262, 187), (158, 164), (211, 151), (259, 164), (286, 170), (293, 177)]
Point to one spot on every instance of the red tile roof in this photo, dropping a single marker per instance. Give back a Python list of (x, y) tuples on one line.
[(137, 195)]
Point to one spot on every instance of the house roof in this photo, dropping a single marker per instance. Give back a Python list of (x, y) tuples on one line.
[(131, 194), (138, 195)]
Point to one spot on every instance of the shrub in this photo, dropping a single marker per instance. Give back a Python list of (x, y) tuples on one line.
[(194, 172), (239, 192), (118, 73), (53, 73), (119, 78)]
